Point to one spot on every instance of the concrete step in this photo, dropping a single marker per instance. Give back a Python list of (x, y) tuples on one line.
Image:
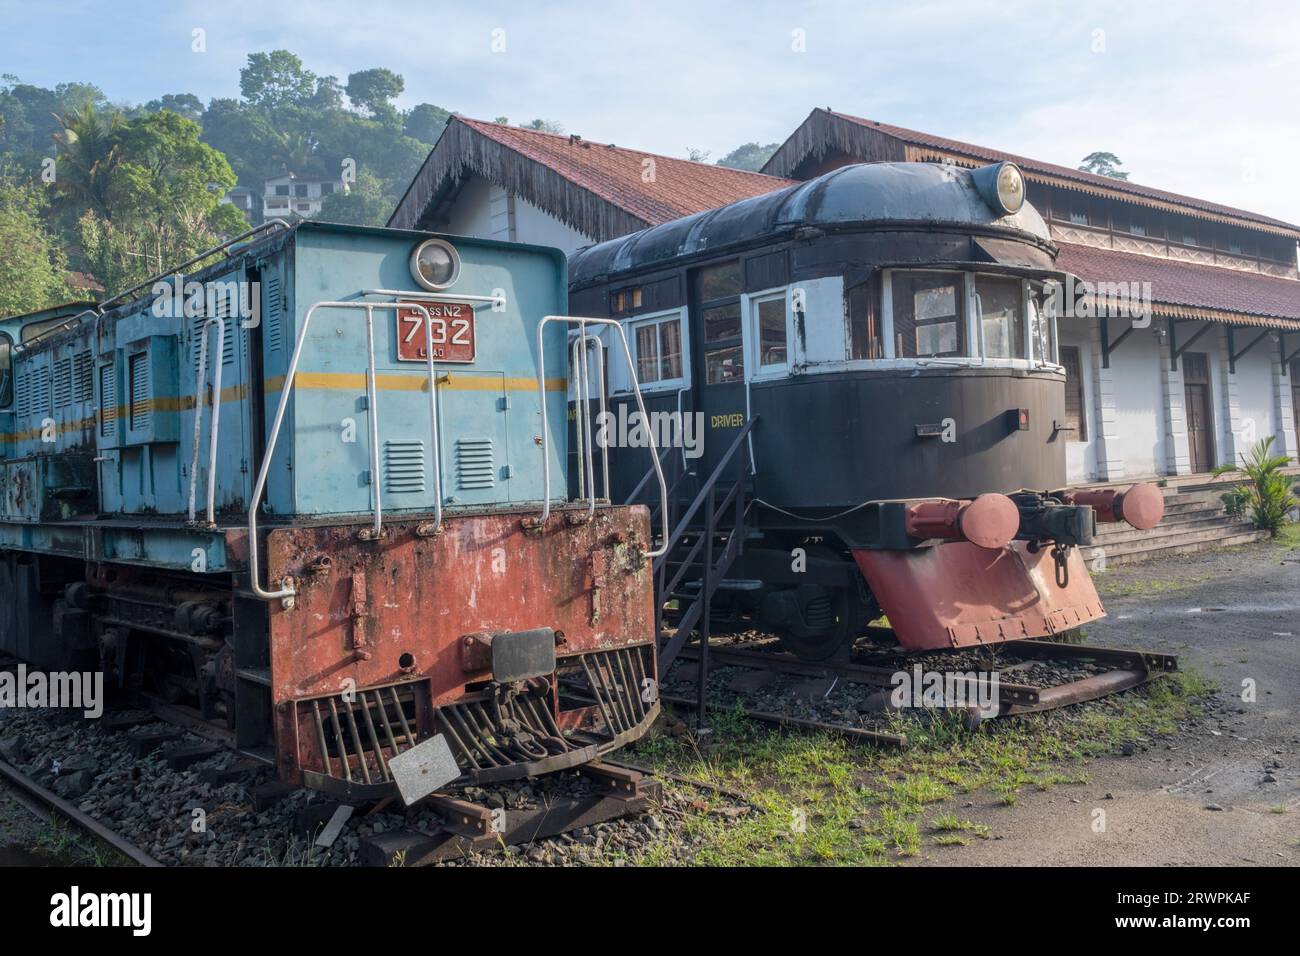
[(1120, 532), (1158, 535), (1179, 542), (1186, 547), (1209, 503)]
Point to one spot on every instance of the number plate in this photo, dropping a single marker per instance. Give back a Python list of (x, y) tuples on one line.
[(453, 333)]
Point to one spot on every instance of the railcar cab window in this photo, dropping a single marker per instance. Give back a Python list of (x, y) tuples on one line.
[(1000, 305), (866, 339), (929, 314), (6, 371), (724, 348), (769, 331), (1042, 321)]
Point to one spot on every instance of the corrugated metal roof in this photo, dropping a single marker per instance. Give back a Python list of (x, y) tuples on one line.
[(572, 178), (1184, 287), (1033, 168)]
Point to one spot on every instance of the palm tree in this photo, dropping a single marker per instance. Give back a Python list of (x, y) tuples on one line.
[(88, 154)]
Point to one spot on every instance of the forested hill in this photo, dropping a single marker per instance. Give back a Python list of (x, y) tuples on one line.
[(101, 194)]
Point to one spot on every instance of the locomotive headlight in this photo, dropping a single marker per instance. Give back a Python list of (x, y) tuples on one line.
[(1002, 185), (1011, 187), (435, 264)]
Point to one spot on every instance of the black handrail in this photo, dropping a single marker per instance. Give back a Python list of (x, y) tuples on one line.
[(714, 566), (709, 483)]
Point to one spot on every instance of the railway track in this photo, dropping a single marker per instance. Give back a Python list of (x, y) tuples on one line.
[(48, 806), (983, 674), (446, 827)]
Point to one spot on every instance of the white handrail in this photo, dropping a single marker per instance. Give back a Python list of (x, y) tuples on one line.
[(288, 591), (583, 419), (214, 421), (438, 296), (582, 324)]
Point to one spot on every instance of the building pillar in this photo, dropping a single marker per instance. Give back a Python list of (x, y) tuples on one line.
[(1178, 455), (1232, 436), (1110, 467), (1284, 410)]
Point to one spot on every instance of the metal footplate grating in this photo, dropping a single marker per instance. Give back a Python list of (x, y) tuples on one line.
[(502, 732)]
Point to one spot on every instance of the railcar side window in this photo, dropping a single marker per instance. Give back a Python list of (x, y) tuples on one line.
[(719, 282), (719, 297), (929, 314), (1001, 307), (658, 345), (6, 372), (726, 361)]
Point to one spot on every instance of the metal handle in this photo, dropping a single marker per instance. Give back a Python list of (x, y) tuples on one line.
[(582, 324), (214, 422), (580, 348), (287, 591)]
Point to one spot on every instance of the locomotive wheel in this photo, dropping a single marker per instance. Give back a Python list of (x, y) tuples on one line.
[(816, 623)]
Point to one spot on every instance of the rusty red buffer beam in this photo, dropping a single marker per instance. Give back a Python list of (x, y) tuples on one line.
[(989, 521), (1142, 505)]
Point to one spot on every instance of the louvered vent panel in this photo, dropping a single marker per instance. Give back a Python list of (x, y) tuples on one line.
[(403, 466), (23, 388), (83, 373), (39, 396), (141, 412), (271, 314), (196, 341), (232, 329), (107, 401), (474, 466), (63, 383)]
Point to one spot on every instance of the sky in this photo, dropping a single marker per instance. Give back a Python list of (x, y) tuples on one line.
[(1197, 98)]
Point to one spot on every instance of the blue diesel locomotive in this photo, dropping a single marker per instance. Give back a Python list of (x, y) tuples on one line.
[(311, 498)]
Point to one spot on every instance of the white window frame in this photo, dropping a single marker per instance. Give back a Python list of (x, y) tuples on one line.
[(621, 384), (749, 303), (975, 356)]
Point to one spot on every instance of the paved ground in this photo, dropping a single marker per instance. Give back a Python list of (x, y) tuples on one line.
[(1235, 616)]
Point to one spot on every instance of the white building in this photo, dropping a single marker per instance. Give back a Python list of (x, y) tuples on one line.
[(296, 196)]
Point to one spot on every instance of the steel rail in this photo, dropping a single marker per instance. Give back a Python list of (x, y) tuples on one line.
[(50, 804)]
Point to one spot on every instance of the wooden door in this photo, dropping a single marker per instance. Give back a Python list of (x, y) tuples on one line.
[(1200, 420)]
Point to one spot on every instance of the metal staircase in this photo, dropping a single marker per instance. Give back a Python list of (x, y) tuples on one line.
[(707, 518)]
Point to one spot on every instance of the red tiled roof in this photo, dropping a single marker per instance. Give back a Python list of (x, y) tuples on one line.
[(915, 138), (616, 174), (1186, 284)]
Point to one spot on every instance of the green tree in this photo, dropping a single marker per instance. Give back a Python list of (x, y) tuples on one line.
[(373, 91), (183, 104), (545, 126), (1103, 164), (364, 204), (750, 156), (276, 79), (33, 267), (88, 157), (426, 122), (162, 201)]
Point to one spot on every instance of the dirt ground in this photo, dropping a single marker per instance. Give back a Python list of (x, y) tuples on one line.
[(1223, 792)]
